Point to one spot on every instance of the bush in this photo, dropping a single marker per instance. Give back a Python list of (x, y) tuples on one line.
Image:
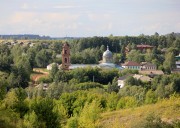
[(127, 102), (87, 85), (44, 80), (72, 122), (150, 97), (154, 121)]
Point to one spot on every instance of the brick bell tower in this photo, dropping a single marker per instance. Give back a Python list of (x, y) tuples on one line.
[(65, 56)]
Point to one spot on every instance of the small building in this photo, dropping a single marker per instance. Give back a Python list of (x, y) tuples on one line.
[(49, 67), (121, 80), (144, 47), (43, 86), (177, 58), (142, 78), (148, 66), (132, 65), (151, 73)]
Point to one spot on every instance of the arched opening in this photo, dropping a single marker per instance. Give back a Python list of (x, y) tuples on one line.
[(65, 60)]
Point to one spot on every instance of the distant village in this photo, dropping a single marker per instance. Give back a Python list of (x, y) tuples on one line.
[(147, 71)]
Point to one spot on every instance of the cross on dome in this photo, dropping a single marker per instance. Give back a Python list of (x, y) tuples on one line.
[(107, 47)]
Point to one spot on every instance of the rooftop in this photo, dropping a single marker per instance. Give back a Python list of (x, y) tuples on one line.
[(131, 63), (155, 72), (144, 46), (124, 77), (147, 64)]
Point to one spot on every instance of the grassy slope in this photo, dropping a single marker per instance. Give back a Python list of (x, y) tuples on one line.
[(167, 110)]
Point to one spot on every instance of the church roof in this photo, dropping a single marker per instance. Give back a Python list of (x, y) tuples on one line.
[(107, 53), (110, 66)]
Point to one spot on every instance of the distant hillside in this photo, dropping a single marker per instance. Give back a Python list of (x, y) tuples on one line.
[(168, 111), (32, 36), (24, 36), (177, 35)]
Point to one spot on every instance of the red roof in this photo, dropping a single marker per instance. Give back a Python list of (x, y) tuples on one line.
[(144, 46), (131, 63)]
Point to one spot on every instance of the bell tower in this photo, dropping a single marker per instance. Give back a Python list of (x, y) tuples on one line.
[(65, 56)]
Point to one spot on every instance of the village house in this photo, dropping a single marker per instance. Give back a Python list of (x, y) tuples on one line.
[(141, 47), (177, 61), (142, 78), (148, 66), (144, 47), (121, 80), (49, 67), (151, 73), (132, 65)]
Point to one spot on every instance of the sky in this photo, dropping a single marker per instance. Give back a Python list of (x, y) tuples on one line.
[(87, 18)]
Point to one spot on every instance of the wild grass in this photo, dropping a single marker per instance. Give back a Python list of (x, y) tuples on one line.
[(167, 109)]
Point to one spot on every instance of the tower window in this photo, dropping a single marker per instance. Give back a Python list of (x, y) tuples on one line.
[(65, 60), (65, 51)]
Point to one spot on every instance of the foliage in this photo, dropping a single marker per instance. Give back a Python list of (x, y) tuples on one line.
[(153, 121), (43, 108), (136, 56), (150, 97), (169, 62), (112, 101), (15, 100), (87, 85), (89, 115), (76, 98), (127, 102), (72, 122), (31, 120)]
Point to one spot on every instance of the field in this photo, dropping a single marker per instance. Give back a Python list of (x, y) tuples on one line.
[(167, 110), (10, 40)]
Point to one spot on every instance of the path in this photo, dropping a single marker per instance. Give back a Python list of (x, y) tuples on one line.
[(40, 74)]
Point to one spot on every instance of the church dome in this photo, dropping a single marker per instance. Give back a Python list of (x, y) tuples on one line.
[(107, 56), (107, 53)]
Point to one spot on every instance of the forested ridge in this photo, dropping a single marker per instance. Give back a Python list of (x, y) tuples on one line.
[(77, 98)]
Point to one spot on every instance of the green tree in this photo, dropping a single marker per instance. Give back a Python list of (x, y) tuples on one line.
[(169, 62), (31, 120), (43, 108), (72, 122), (150, 97), (15, 100), (114, 86), (136, 56), (149, 56), (160, 91), (43, 58), (53, 71), (112, 101), (89, 115), (3, 88)]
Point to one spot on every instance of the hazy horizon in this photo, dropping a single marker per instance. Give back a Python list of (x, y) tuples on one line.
[(85, 18)]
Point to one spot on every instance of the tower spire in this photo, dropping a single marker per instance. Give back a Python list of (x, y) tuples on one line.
[(107, 47)]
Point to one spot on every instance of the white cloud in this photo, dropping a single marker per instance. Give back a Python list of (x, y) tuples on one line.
[(65, 6), (25, 6), (41, 23), (98, 16)]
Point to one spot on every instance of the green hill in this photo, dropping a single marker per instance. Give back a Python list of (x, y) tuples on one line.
[(166, 111)]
